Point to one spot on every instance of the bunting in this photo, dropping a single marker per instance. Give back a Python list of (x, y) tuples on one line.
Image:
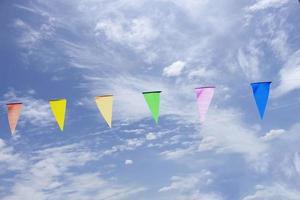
[(58, 108), (105, 105), (204, 97), (261, 94), (153, 101), (13, 114)]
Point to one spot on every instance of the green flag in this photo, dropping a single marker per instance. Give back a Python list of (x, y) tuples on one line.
[(153, 99)]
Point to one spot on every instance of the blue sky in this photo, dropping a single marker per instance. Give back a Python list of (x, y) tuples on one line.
[(83, 48)]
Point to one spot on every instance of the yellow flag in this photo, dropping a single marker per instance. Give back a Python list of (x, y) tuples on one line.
[(58, 108), (105, 104)]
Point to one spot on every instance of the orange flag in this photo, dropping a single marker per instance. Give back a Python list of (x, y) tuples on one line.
[(13, 114)]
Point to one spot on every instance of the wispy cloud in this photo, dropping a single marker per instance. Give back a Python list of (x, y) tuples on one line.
[(137, 33), (249, 60), (187, 182), (191, 186), (227, 134), (49, 174), (33, 34), (264, 4), (289, 75), (9, 159), (272, 134), (275, 191)]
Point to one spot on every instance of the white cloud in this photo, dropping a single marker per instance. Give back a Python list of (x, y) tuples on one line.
[(264, 4), (249, 60), (202, 73), (49, 174), (178, 153), (42, 170), (297, 162), (231, 134), (151, 136), (208, 143), (32, 35), (190, 187), (127, 145), (174, 69), (188, 182), (280, 45), (272, 134), (128, 162), (275, 191), (136, 33), (192, 8), (223, 132), (273, 29), (289, 75), (199, 196), (9, 159), (287, 160), (93, 186)]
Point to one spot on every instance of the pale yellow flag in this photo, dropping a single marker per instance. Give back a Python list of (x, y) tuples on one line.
[(58, 108), (105, 104)]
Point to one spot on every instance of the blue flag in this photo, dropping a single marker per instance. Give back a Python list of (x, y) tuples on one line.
[(261, 94)]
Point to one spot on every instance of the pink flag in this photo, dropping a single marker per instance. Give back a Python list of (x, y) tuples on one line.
[(204, 97)]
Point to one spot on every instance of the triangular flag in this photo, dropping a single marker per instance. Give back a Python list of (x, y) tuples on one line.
[(153, 101), (204, 97), (58, 108), (105, 105), (261, 94), (13, 114)]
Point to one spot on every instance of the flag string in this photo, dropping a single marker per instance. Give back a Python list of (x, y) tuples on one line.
[(104, 103)]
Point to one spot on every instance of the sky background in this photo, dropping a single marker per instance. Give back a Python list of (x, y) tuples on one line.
[(78, 49)]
